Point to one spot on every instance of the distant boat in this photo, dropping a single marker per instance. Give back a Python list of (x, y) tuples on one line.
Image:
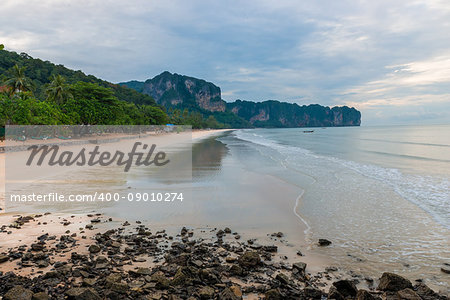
[(308, 131)]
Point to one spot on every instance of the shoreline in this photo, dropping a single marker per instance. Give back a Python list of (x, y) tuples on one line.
[(93, 256), (321, 274)]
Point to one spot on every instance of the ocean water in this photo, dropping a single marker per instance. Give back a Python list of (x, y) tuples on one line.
[(381, 194)]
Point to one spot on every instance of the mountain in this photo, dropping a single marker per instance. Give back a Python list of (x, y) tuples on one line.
[(41, 72), (183, 92), (173, 90), (281, 114)]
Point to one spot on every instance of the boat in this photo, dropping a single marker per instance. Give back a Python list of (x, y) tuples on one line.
[(308, 131)]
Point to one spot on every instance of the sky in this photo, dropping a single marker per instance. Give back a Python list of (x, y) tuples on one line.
[(389, 59)]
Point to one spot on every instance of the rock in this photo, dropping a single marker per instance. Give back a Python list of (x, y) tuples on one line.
[(18, 293), (445, 269), (227, 230), (271, 249), (407, 294), (3, 258), (220, 233), (312, 293), (161, 281), (206, 292), (273, 294), (301, 266), (299, 253), (283, 279), (334, 294), (365, 295), (324, 242), (82, 294), (236, 270), (37, 247), (425, 292), (393, 282), (229, 294), (346, 288), (40, 296), (94, 248), (249, 259), (236, 291)]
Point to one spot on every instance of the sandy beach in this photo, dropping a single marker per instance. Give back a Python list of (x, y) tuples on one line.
[(250, 241)]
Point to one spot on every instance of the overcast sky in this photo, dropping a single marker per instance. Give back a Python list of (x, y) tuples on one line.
[(389, 59)]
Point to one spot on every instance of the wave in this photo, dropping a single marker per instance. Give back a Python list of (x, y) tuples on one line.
[(430, 193), (407, 143)]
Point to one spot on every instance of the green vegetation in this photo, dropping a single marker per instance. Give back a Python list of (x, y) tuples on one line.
[(36, 92)]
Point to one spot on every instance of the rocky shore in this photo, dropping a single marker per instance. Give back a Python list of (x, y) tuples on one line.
[(131, 261)]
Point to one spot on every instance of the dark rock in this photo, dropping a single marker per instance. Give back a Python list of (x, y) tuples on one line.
[(206, 292), (445, 269), (82, 294), (94, 248), (334, 294), (18, 293), (227, 230), (312, 293), (230, 294), (346, 288), (3, 258), (236, 270), (425, 292), (270, 248), (324, 242), (393, 282), (37, 247), (40, 296), (407, 294), (273, 294), (283, 279), (365, 295), (249, 259), (300, 266)]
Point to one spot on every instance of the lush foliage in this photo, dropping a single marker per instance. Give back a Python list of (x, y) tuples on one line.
[(42, 73)]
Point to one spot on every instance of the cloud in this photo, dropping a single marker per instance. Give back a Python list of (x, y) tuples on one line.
[(370, 54)]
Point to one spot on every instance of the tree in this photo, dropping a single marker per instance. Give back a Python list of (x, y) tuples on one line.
[(17, 81), (2, 47), (58, 90)]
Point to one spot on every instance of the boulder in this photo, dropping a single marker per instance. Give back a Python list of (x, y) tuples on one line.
[(425, 292), (273, 294), (94, 248), (333, 294), (40, 296), (393, 283), (230, 294), (3, 258), (346, 288), (82, 294), (365, 295), (206, 292), (312, 293), (324, 242), (249, 259), (18, 293), (407, 294)]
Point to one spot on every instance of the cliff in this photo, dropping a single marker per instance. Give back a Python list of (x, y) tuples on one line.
[(173, 90), (178, 91), (281, 114)]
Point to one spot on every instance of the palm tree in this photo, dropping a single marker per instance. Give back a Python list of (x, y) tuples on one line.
[(18, 82), (58, 90)]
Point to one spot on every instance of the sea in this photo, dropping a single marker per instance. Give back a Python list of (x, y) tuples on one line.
[(381, 194)]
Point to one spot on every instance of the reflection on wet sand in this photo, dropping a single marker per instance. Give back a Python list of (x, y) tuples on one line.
[(207, 157)]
